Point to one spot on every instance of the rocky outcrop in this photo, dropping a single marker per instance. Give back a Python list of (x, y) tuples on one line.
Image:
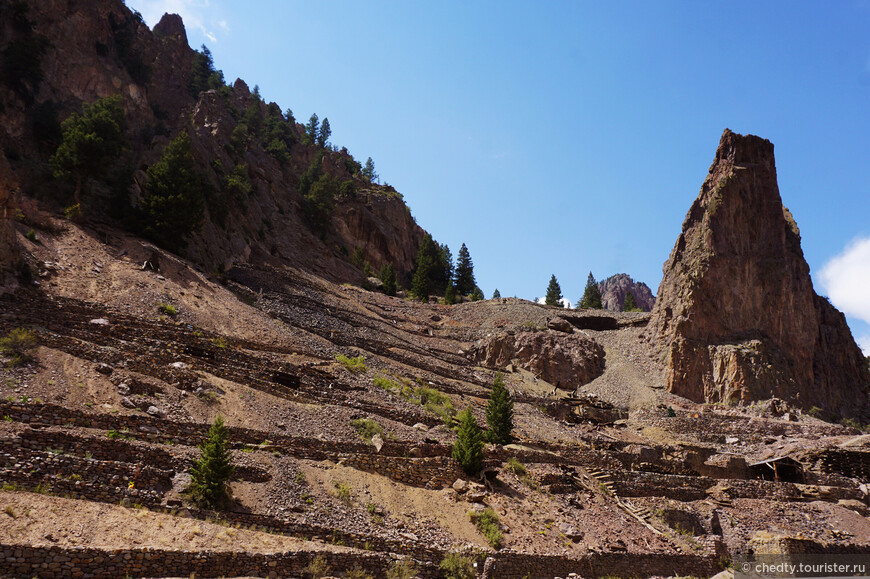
[(9, 253), (736, 317), (566, 361), (102, 48), (614, 289)]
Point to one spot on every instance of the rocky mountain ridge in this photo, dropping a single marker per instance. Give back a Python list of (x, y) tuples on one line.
[(97, 49)]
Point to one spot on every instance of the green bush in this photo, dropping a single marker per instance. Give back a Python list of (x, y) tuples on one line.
[(342, 491), (387, 384), (318, 567), (167, 309), (367, 428), (457, 566), (515, 466), (487, 523), (403, 569), (356, 364), (19, 344), (436, 403)]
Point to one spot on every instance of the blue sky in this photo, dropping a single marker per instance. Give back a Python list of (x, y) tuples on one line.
[(563, 137)]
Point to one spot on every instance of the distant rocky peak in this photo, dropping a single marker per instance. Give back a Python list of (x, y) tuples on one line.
[(172, 26), (616, 287)]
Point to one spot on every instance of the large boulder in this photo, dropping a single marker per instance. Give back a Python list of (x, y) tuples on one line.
[(736, 318), (564, 360)]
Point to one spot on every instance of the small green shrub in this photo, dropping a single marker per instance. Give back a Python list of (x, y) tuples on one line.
[(487, 523), (357, 573), (167, 309), (318, 567), (31, 235), (404, 569), (356, 364), (436, 403), (19, 344), (457, 566), (387, 384), (516, 467), (814, 411), (220, 342), (115, 435), (367, 428), (342, 491)]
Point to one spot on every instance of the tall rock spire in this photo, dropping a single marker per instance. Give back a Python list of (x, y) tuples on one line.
[(736, 318)]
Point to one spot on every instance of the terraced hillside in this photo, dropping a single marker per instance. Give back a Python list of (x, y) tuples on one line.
[(100, 430)]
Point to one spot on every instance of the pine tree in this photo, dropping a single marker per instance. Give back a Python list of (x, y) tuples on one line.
[(209, 474), (591, 295), (312, 129), (468, 449), (464, 277), (388, 278), (450, 294), (90, 142), (496, 294), (554, 293), (629, 305), (428, 256), (369, 171), (174, 195), (476, 295), (445, 271), (324, 133), (499, 412)]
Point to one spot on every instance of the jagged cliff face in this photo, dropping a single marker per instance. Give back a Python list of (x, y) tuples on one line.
[(614, 289), (9, 253), (100, 48), (736, 317)]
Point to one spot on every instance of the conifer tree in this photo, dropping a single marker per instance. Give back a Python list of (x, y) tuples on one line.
[(591, 295), (499, 412), (90, 142), (174, 195), (445, 271), (496, 294), (629, 305), (324, 133), (369, 171), (464, 277), (312, 129), (468, 449), (388, 278), (450, 294), (428, 258), (554, 293), (209, 474), (476, 295)]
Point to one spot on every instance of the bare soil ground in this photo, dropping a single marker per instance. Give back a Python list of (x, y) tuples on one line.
[(259, 345)]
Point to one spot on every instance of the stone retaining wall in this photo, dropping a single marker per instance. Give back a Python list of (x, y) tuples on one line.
[(521, 565), (28, 561), (434, 473)]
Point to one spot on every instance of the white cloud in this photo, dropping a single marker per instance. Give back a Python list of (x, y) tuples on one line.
[(846, 279), (195, 13), (565, 302)]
